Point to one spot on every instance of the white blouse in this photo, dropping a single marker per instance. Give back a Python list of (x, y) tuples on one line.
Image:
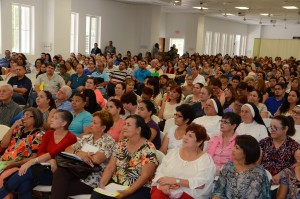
[(211, 124), (198, 172), (173, 142), (170, 110), (258, 131), (296, 137)]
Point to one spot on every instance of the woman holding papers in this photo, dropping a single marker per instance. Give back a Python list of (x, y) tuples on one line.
[(133, 162), (32, 172), (186, 172), (94, 149)]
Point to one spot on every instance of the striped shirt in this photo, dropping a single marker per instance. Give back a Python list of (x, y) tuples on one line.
[(119, 76)]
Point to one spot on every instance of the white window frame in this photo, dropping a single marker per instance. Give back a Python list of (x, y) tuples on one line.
[(216, 43), (21, 35), (1, 29), (208, 43), (89, 41), (243, 45), (237, 45), (74, 32)]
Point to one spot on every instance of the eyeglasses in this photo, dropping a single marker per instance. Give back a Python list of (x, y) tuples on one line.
[(176, 115), (224, 121), (274, 128), (296, 113), (27, 116)]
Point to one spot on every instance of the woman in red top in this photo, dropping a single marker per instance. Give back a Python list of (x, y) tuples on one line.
[(32, 173)]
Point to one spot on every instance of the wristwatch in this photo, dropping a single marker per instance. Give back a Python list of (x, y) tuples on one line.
[(178, 181)]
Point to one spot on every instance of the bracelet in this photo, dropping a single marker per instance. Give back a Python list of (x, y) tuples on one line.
[(36, 160)]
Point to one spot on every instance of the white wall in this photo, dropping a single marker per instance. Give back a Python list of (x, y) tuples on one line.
[(254, 31), (279, 32)]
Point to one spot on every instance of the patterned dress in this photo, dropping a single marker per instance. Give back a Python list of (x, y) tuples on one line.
[(106, 145), (288, 178), (129, 165), (250, 184)]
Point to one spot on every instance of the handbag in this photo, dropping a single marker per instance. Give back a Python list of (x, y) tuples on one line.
[(78, 167)]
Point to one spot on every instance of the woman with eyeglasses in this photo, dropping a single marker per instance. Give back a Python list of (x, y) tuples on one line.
[(220, 147), (189, 87), (292, 100), (252, 123), (184, 116), (296, 116), (243, 177), (255, 97), (278, 150)]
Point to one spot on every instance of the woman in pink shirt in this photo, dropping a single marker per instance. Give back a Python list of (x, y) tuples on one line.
[(91, 84), (115, 107), (220, 146)]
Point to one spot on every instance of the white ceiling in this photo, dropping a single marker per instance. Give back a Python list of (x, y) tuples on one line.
[(218, 8)]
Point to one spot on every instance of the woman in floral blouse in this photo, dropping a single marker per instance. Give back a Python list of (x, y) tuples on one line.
[(65, 183), (133, 163), (242, 177)]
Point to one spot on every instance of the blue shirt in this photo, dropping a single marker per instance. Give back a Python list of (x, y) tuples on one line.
[(78, 81), (81, 120), (87, 72), (140, 74), (66, 105), (102, 75), (273, 105), (4, 62), (25, 82)]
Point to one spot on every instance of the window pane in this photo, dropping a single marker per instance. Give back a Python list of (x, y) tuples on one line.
[(15, 28), (72, 49), (93, 31), (87, 35), (25, 29)]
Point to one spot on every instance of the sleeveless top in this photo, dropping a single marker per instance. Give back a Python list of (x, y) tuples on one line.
[(173, 142)]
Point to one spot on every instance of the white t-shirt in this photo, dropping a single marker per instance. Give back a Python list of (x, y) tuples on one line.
[(258, 131)]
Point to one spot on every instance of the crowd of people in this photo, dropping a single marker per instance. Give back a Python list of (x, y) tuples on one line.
[(235, 124)]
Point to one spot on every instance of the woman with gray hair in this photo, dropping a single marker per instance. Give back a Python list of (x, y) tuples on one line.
[(62, 98)]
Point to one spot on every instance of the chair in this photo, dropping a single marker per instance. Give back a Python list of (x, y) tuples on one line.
[(3, 130), (160, 155), (83, 196), (169, 123), (162, 135), (44, 189), (155, 119), (273, 187)]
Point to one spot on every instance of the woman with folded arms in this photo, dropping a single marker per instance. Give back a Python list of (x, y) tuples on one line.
[(32, 172), (186, 172), (133, 162), (242, 177), (65, 183)]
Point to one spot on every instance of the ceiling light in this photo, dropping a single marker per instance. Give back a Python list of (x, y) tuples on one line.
[(227, 14), (242, 8), (201, 8), (290, 7), (176, 1), (264, 14)]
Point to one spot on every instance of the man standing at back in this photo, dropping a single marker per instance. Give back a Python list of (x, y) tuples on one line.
[(110, 49), (21, 85), (8, 108), (96, 50)]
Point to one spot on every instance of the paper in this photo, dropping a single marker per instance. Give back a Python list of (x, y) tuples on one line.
[(89, 148), (2, 165), (111, 189), (71, 155)]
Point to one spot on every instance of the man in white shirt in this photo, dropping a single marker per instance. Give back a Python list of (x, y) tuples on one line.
[(197, 78)]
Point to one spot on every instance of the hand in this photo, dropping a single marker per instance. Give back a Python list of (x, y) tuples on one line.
[(86, 157), (276, 178), (53, 165), (9, 165), (102, 185), (25, 167), (166, 180), (165, 189), (17, 123), (123, 194)]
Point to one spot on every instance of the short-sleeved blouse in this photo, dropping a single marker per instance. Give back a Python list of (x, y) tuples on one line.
[(129, 165), (288, 178), (173, 142), (106, 145), (170, 110), (275, 160), (250, 184), (156, 141), (115, 132)]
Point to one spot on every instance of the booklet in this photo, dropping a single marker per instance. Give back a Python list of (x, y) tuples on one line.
[(71, 156), (111, 189)]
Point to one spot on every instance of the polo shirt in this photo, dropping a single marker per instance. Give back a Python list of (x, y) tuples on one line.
[(273, 105), (52, 84), (25, 82), (81, 120), (140, 74), (78, 81), (103, 76), (4, 62), (119, 76), (8, 112), (66, 105)]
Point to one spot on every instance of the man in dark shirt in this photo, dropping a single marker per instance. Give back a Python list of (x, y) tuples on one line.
[(96, 50), (21, 85)]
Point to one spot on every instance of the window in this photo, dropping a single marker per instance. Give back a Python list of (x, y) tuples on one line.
[(74, 33), (179, 44), (0, 32), (223, 44), (230, 45), (243, 45), (22, 28), (216, 44), (208, 41), (92, 32), (237, 44)]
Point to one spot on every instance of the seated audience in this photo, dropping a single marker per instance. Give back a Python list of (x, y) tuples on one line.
[(252, 123), (62, 98), (183, 117), (292, 100), (65, 183), (12, 72), (101, 77), (91, 84), (133, 162), (119, 91), (255, 97), (129, 101), (211, 120), (197, 78), (252, 180), (199, 170), (230, 95), (296, 116), (63, 73), (278, 150), (189, 87), (81, 118), (273, 103), (91, 68), (32, 172), (77, 80), (220, 147), (8, 108), (115, 107), (146, 109), (195, 96), (91, 105)]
